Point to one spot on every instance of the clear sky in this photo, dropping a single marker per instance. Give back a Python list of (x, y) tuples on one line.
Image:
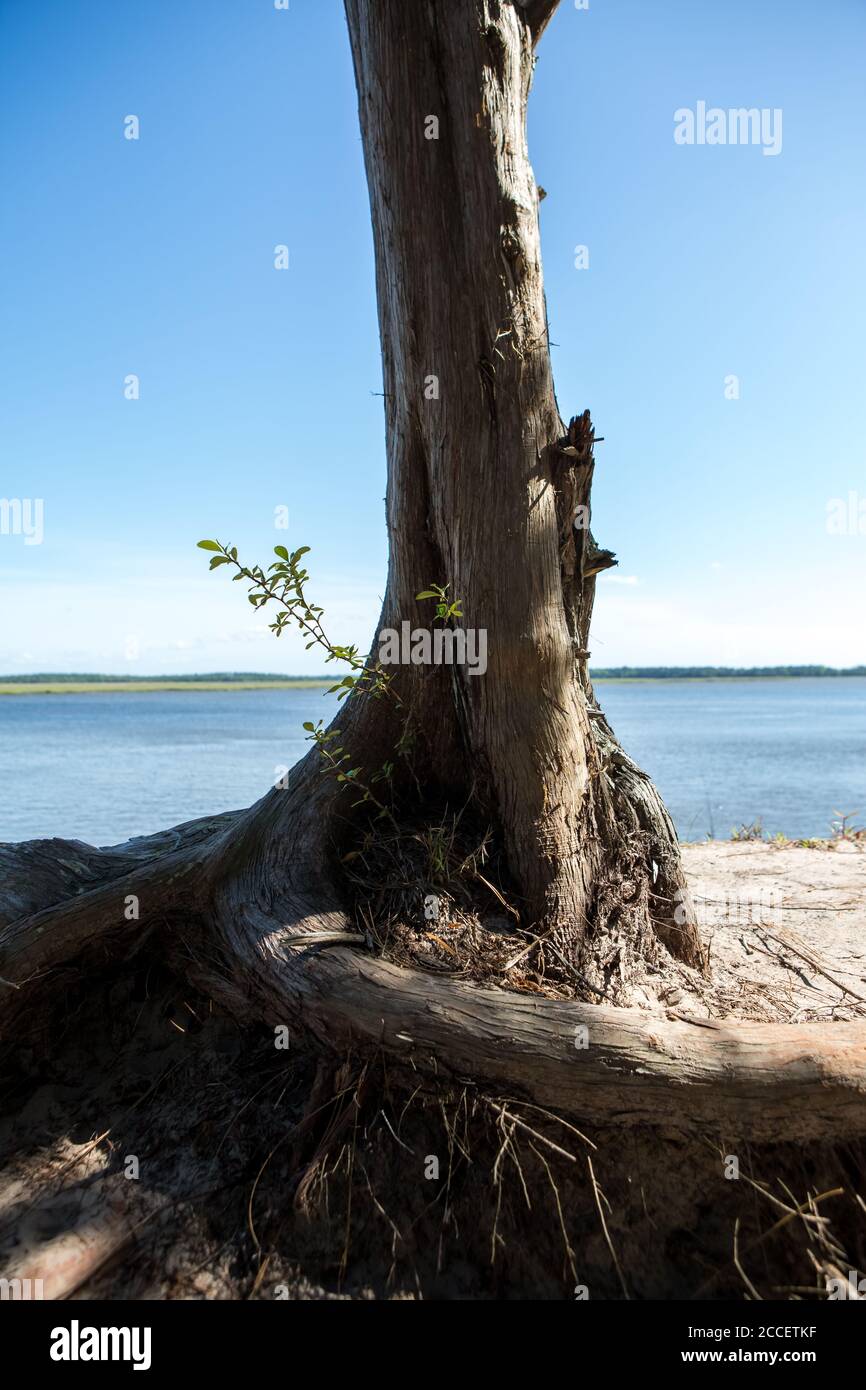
[(155, 257)]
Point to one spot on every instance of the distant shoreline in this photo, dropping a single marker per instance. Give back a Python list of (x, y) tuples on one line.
[(92, 684), (148, 687)]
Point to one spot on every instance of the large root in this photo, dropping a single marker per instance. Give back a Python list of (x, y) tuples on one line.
[(61, 898), (253, 915)]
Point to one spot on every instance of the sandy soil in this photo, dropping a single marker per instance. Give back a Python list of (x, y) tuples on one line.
[(785, 927)]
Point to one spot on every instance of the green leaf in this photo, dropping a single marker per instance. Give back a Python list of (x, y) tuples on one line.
[(217, 561), (310, 728), (281, 551), (209, 545), (426, 593)]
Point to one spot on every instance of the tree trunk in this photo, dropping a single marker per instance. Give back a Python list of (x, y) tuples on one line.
[(484, 482)]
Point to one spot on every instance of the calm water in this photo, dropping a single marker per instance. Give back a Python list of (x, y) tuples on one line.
[(104, 767)]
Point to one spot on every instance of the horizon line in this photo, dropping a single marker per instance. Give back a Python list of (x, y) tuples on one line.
[(789, 668)]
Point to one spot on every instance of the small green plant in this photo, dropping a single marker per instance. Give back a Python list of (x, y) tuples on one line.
[(284, 583), (439, 845), (445, 608), (755, 831), (334, 758)]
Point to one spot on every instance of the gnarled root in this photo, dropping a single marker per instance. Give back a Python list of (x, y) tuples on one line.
[(252, 914)]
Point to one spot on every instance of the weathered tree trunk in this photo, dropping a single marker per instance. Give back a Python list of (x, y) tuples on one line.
[(484, 485)]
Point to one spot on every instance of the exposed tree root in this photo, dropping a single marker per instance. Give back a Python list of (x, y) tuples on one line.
[(240, 901)]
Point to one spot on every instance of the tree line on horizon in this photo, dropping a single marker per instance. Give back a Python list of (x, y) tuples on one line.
[(598, 673)]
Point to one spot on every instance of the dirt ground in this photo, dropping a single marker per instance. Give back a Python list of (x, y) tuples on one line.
[(152, 1149), (786, 929)]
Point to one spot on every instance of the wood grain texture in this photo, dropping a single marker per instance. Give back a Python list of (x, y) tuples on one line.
[(769, 1082)]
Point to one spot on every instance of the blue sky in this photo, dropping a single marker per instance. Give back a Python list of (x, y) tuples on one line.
[(257, 386)]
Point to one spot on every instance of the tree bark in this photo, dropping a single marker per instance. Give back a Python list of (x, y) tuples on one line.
[(483, 480)]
